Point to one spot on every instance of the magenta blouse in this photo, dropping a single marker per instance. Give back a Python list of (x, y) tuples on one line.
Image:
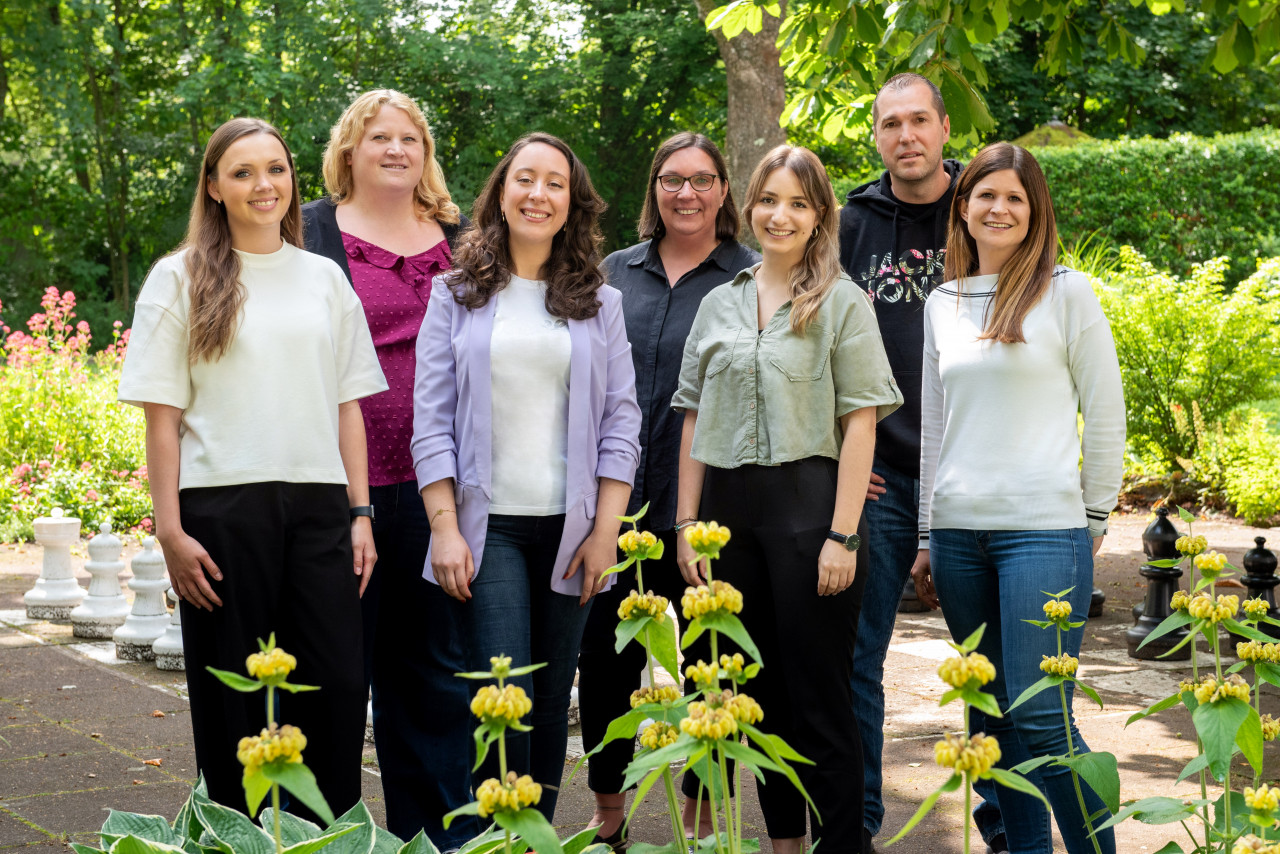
[(394, 290)]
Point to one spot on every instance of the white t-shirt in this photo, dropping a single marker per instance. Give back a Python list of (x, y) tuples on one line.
[(1000, 446), (529, 365), (268, 409)]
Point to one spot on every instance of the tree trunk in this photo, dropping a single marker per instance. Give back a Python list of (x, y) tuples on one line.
[(757, 94)]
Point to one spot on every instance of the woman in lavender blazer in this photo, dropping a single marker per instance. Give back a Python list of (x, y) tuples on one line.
[(526, 433)]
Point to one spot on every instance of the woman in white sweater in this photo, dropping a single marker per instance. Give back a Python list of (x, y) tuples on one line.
[(1015, 348)]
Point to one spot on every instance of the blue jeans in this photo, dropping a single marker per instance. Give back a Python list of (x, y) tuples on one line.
[(892, 526), (997, 578), (413, 646), (513, 611)]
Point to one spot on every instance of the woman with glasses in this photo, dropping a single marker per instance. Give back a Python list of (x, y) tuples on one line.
[(689, 224)]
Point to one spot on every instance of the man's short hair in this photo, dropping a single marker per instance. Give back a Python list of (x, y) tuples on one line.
[(906, 80)]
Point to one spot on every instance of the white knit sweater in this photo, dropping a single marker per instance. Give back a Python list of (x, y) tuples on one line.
[(1000, 444)]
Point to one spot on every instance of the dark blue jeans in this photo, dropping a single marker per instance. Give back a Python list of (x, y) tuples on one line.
[(997, 578), (513, 611), (421, 720), (892, 526)]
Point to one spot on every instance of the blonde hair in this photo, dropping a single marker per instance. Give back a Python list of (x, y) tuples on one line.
[(1026, 275), (431, 196), (816, 274), (216, 292)]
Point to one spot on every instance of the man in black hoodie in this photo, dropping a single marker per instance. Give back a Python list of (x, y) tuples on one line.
[(893, 235)]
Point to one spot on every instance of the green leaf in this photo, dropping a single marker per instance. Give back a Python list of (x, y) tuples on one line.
[(1010, 780), (136, 845), (773, 745), (619, 567), (1170, 847), (1224, 55), (1156, 810), (579, 841), (236, 682), (256, 787), (1100, 771), (151, 827), (1033, 763), (360, 840), (660, 640), (231, 830), (729, 624), (1267, 672), (295, 689), (950, 786), (1166, 562), (1088, 692), (472, 808), (532, 826), (1249, 739), (310, 845), (1185, 515), (1043, 685), (84, 849), (301, 783), (1217, 724), (1195, 766), (1247, 631), (292, 829), (982, 700), (1174, 621), (626, 630)]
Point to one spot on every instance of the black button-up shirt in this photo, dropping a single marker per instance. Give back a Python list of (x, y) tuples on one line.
[(658, 318)]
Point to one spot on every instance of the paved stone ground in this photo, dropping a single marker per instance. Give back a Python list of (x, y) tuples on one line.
[(82, 731)]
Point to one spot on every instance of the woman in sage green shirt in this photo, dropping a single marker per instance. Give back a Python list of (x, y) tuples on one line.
[(784, 377)]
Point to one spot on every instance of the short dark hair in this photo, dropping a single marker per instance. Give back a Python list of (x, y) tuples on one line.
[(650, 225), (906, 80)]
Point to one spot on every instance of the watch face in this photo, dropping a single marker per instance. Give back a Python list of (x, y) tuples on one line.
[(853, 542)]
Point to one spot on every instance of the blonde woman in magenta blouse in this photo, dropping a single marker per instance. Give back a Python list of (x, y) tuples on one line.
[(783, 380), (390, 224)]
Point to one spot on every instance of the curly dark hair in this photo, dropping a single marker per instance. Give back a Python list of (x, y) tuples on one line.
[(482, 265)]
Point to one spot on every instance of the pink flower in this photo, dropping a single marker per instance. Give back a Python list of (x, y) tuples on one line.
[(86, 466), (91, 495), (145, 524), (43, 465)]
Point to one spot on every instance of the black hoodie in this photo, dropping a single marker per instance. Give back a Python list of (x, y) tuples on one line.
[(894, 251)]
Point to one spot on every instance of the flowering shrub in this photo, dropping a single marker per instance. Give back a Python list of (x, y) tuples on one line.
[(64, 440)]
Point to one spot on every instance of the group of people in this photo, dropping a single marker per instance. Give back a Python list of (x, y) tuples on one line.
[(888, 388)]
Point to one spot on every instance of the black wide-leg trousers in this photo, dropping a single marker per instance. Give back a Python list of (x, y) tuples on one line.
[(779, 517), (284, 550)]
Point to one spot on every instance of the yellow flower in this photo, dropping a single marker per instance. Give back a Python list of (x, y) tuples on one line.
[(733, 666), (701, 674), (505, 705), (705, 599), (1211, 691), (1262, 799), (1255, 651), (1191, 545), (707, 538), (1186, 685), (637, 605), (637, 544), (271, 666), (1180, 601), (744, 709), (707, 723), (500, 666), (967, 755), (1270, 728), (1203, 607), (957, 672), (1250, 844), (271, 745), (515, 795), (1060, 665), (658, 734), (665, 695), (1255, 609), (1057, 610), (1211, 564)]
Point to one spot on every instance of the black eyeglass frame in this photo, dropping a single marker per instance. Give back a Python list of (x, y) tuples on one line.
[(662, 181)]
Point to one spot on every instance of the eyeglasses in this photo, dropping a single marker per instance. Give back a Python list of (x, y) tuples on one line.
[(675, 183)]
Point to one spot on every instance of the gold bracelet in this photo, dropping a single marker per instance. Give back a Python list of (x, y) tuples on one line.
[(440, 513)]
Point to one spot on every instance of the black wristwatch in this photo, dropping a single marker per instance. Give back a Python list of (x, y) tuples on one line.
[(852, 542), (366, 510)]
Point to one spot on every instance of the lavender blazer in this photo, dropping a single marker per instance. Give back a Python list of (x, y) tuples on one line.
[(453, 417)]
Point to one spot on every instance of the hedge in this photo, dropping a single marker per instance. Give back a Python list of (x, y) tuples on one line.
[(1179, 201)]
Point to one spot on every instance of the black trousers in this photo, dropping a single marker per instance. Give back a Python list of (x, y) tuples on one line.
[(779, 517), (285, 554)]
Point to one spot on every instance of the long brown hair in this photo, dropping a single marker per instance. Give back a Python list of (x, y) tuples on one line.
[(431, 196), (216, 292), (650, 225), (816, 274), (1026, 275), (482, 264)]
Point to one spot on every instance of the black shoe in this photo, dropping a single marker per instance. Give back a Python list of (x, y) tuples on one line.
[(616, 840), (867, 847), (998, 845)]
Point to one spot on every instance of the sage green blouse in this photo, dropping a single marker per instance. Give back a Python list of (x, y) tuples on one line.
[(770, 396)]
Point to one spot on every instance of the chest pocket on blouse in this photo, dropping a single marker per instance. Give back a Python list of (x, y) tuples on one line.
[(802, 359), (721, 356)]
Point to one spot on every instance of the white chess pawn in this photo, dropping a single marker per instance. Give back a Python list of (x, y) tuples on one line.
[(56, 592), (105, 608), (149, 617), (168, 647)]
